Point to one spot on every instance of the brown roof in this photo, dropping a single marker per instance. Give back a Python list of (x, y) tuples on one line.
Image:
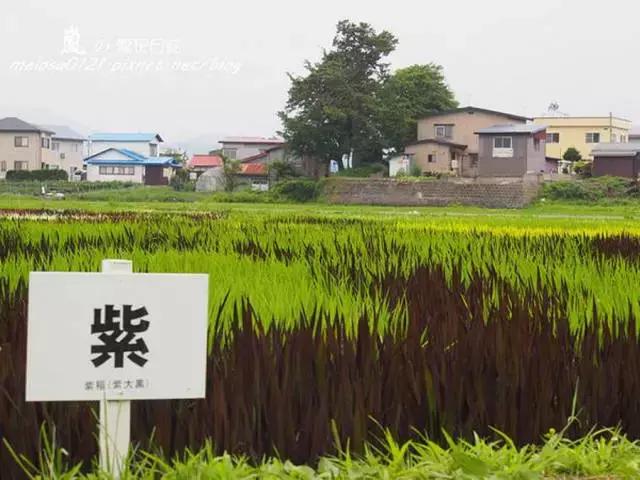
[(476, 109)]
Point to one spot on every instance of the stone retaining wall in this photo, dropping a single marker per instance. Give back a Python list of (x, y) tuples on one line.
[(485, 192)]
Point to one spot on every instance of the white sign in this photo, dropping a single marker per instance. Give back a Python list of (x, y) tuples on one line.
[(93, 336), (502, 152)]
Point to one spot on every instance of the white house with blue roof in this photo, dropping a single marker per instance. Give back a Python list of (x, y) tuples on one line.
[(147, 144), (125, 165)]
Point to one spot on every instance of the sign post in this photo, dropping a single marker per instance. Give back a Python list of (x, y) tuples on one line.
[(115, 415), (114, 337)]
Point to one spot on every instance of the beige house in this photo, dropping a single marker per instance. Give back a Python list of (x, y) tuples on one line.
[(447, 142), (436, 155), (582, 133), (24, 146)]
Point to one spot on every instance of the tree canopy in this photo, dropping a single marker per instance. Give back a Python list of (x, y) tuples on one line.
[(572, 154), (348, 100), (408, 95)]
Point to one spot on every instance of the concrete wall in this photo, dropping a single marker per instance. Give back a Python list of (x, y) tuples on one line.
[(485, 192), (526, 159), (465, 124)]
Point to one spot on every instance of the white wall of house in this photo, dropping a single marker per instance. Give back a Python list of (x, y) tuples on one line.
[(143, 148), (67, 154), (94, 175)]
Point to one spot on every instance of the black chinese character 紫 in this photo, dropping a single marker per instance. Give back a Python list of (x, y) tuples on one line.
[(119, 337)]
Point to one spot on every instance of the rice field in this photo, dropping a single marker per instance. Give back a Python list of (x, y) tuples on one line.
[(330, 330)]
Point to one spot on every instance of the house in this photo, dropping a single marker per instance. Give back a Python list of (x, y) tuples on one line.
[(511, 150), (582, 133), (24, 146), (255, 175), (240, 148), (124, 165), (616, 159), (201, 162), (68, 149), (436, 155), (146, 144), (447, 142), (267, 151)]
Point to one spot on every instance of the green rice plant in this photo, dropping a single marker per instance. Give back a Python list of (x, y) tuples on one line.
[(412, 324)]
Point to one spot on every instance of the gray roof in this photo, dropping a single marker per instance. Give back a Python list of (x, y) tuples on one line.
[(616, 149), (62, 132), (526, 128), (14, 124)]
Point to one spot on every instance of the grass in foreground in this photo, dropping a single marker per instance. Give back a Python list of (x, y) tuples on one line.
[(603, 454)]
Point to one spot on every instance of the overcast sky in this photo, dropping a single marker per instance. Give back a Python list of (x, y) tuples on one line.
[(232, 58)]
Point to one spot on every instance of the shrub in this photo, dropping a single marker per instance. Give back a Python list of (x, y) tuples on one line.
[(583, 169), (181, 181), (374, 169), (282, 169), (297, 190), (415, 171), (572, 155), (591, 189), (39, 175)]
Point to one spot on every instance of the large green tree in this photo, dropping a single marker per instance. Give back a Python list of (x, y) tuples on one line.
[(334, 107), (349, 100), (406, 96)]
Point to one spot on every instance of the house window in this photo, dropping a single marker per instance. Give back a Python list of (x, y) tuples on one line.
[(62, 156), (75, 147), (230, 153), (553, 138), (623, 139), (104, 170), (444, 131), (153, 150), (502, 142), (614, 138), (21, 141), (431, 158), (55, 146), (45, 142), (592, 137), (20, 165), (3, 166)]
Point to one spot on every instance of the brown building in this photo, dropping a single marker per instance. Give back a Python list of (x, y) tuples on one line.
[(616, 159), (511, 150), (451, 141)]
